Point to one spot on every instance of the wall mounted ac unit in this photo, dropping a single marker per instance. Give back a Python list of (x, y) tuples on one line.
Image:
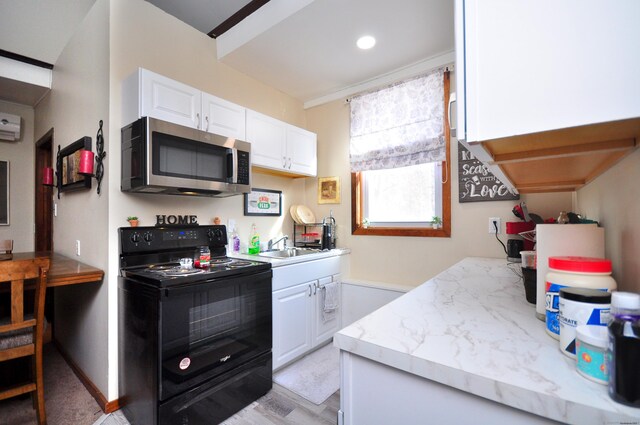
[(9, 127)]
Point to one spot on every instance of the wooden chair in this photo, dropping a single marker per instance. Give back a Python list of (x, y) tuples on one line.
[(20, 334), (6, 246)]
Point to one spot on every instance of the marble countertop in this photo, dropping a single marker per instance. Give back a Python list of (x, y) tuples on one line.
[(471, 328), (278, 262)]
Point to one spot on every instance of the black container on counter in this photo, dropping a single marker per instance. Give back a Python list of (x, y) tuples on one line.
[(529, 276), (624, 348)]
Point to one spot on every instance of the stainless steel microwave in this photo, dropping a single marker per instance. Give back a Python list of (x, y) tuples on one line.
[(162, 157)]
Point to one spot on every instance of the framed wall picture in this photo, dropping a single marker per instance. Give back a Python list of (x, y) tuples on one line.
[(4, 193), (263, 202), (68, 165), (329, 190)]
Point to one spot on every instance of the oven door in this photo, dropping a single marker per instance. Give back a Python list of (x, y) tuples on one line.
[(209, 328)]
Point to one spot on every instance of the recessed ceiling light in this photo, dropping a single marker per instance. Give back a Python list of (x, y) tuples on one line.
[(366, 42)]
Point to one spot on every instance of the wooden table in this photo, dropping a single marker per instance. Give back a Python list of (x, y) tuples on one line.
[(64, 270)]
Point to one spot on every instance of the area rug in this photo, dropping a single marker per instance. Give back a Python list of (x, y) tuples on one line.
[(315, 377)]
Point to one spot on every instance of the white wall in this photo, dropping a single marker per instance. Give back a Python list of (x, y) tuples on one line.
[(409, 260), (21, 157), (613, 199), (78, 100), (142, 35)]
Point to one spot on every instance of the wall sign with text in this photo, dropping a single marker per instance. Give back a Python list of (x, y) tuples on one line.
[(476, 183)]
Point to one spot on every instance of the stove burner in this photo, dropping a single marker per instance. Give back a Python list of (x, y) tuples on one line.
[(178, 271), (239, 263), (223, 260), (160, 267)]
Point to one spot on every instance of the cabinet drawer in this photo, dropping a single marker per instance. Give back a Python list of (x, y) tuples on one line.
[(286, 276)]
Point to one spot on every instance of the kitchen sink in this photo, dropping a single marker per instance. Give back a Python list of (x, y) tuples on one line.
[(289, 252)]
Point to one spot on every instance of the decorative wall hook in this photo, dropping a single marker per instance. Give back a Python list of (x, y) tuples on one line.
[(100, 155)]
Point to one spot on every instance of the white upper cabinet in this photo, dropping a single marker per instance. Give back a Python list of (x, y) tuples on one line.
[(280, 146), (146, 93), (275, 145), (268, 140), (223, 117), (302, 151), (532, 66)]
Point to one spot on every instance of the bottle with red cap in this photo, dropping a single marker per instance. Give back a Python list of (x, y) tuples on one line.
[(579, 272)]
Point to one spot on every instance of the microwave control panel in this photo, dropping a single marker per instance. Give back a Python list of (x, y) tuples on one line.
[(243, 168)]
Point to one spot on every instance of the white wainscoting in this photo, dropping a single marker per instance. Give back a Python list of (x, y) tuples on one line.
[(360, 298)]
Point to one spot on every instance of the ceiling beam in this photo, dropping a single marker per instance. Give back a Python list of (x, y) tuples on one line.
[(237, 17)]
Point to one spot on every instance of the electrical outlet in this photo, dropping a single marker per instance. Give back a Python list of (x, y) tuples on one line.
[(493, 223), (77, 247)]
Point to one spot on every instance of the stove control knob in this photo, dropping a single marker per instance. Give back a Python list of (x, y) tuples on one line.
[(135, 237), (215, 234), (148, 237)]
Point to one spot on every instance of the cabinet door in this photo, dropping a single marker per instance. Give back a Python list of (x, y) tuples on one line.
[(301, 151), (268, 140), (325, 324), (292, 309), (169, 100), (544, 65), (223, 117)]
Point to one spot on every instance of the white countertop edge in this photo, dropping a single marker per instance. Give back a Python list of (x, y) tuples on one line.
[(588, 405), (502, 392)]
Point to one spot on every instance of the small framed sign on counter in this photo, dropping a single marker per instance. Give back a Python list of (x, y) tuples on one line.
[(263, 202)]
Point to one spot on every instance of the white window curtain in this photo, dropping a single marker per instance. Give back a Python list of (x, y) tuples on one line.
[(400, 125)]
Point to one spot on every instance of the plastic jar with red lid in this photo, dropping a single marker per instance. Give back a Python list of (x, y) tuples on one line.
[(579, 272)]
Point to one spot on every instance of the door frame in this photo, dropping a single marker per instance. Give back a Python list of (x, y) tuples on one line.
[(43, 235)]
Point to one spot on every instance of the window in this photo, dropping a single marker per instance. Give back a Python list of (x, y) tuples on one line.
[(402, 196)]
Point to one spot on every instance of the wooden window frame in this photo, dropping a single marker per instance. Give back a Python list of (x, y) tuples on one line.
[(357, 200)]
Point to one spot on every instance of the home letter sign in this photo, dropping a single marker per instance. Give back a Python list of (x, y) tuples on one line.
[(176, 220)]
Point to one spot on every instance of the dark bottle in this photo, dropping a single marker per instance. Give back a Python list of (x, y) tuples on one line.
[(624, 348)]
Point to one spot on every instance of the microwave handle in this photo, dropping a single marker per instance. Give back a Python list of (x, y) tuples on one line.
[(234, 165)]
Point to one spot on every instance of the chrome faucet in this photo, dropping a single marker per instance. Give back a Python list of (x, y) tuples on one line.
[(271, 242)]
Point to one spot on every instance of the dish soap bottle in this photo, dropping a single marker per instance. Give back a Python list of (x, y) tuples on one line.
[(235, 242), (254, 241)]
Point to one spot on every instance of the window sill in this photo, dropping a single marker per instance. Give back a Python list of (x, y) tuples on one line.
[(443, 232)]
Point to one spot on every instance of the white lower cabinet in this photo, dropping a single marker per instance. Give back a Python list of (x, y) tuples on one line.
[(299, 322)]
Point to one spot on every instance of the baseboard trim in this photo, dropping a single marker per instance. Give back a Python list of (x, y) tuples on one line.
[(106, 406)]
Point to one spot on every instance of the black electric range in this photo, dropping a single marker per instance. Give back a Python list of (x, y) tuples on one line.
[(195, 343)]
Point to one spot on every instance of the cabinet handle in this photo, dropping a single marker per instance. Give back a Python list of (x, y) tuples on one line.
[(315, 288), (289, 163), (207, 121), (309, 290), (197, 120), (284, 162)]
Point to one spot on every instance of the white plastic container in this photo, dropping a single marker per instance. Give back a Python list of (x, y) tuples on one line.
[(528, 259), (579, 272), (591, 352)]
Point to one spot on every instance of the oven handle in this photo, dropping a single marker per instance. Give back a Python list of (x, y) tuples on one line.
[(206, 285)]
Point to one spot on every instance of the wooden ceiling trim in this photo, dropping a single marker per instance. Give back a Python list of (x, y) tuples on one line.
[(566, 151), (237, 17), (547, 186)]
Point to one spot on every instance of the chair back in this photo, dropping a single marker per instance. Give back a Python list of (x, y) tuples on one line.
[(14, 273)]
